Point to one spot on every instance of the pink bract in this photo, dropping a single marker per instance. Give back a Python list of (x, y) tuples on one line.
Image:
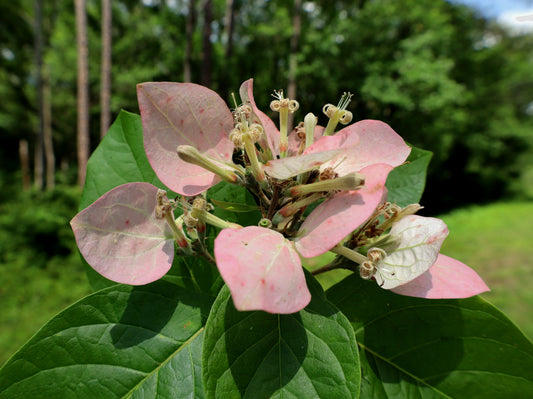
[(262, 270), (338, 216), (271, 131), (447, 278), (176, 114), (121, 238), (365, 143), (286, 168)]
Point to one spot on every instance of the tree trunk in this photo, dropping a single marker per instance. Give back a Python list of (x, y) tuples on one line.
[(47, 132), (24, 155), (39, 139), (83, 90), (189, 31), (225, 73), (229, 26), (295, 41), (105, 89), (207, 48)]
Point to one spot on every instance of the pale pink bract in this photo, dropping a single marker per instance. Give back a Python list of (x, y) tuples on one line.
[(447, 278), (175, 114), (262, 270), (121, 238)]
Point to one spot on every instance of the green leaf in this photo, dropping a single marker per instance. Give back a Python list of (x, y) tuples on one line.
[(123, 341), (426, 348), (406, 182), (196, 274), (309, 354), (229, 193), (118, 159), (234, 206)]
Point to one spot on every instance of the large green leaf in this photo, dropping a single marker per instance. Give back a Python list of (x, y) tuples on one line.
[(118, 159), (406, 183), (195, 273), (309, 354), (123, 341), (426, 348)]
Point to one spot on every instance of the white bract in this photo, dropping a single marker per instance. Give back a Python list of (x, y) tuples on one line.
[(419, 240)]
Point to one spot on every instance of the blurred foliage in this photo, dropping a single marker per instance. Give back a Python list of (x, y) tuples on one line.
[(34, 226), (41, 271), (445, 78)]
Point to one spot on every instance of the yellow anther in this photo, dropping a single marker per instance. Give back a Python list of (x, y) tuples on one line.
[(367, 270), (293, 106), (329, 110), (256, 132), (346, 117), (235, 136), (275, 105)]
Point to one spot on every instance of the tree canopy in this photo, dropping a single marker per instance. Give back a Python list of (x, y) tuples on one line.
[(443, 76)]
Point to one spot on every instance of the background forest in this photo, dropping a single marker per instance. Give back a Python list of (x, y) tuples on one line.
[(443, 76)]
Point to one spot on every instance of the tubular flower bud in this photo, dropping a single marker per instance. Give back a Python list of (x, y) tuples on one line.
[(352, 181), (348, 253), (192, 155), (293, 207), (310, 122), (249, 147), (209, 218)]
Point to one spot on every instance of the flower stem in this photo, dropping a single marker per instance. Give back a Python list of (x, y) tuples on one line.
[(354, 256)]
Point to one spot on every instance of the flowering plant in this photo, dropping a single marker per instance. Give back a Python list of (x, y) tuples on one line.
[(205, 215)]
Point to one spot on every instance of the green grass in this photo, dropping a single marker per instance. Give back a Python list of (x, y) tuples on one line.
[(30, 296), (497, 241)]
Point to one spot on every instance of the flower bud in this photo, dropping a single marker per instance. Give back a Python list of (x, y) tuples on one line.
[(310, 121), (351, 181), (191, 155)]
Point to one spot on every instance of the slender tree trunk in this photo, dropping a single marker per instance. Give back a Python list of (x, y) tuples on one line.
[(207, 48), (39, 140), (295, 42), (83, 90), (189, 31), (225, 78), (24, 155), (105, 90), (229, 27), (47, 132)]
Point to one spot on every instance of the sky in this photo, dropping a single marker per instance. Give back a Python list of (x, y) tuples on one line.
[(516, 14)]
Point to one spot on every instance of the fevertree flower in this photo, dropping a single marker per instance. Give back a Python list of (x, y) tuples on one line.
[(318, 190)]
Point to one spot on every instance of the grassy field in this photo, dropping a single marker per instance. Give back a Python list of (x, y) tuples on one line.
[(494, 240), (30, 296)]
